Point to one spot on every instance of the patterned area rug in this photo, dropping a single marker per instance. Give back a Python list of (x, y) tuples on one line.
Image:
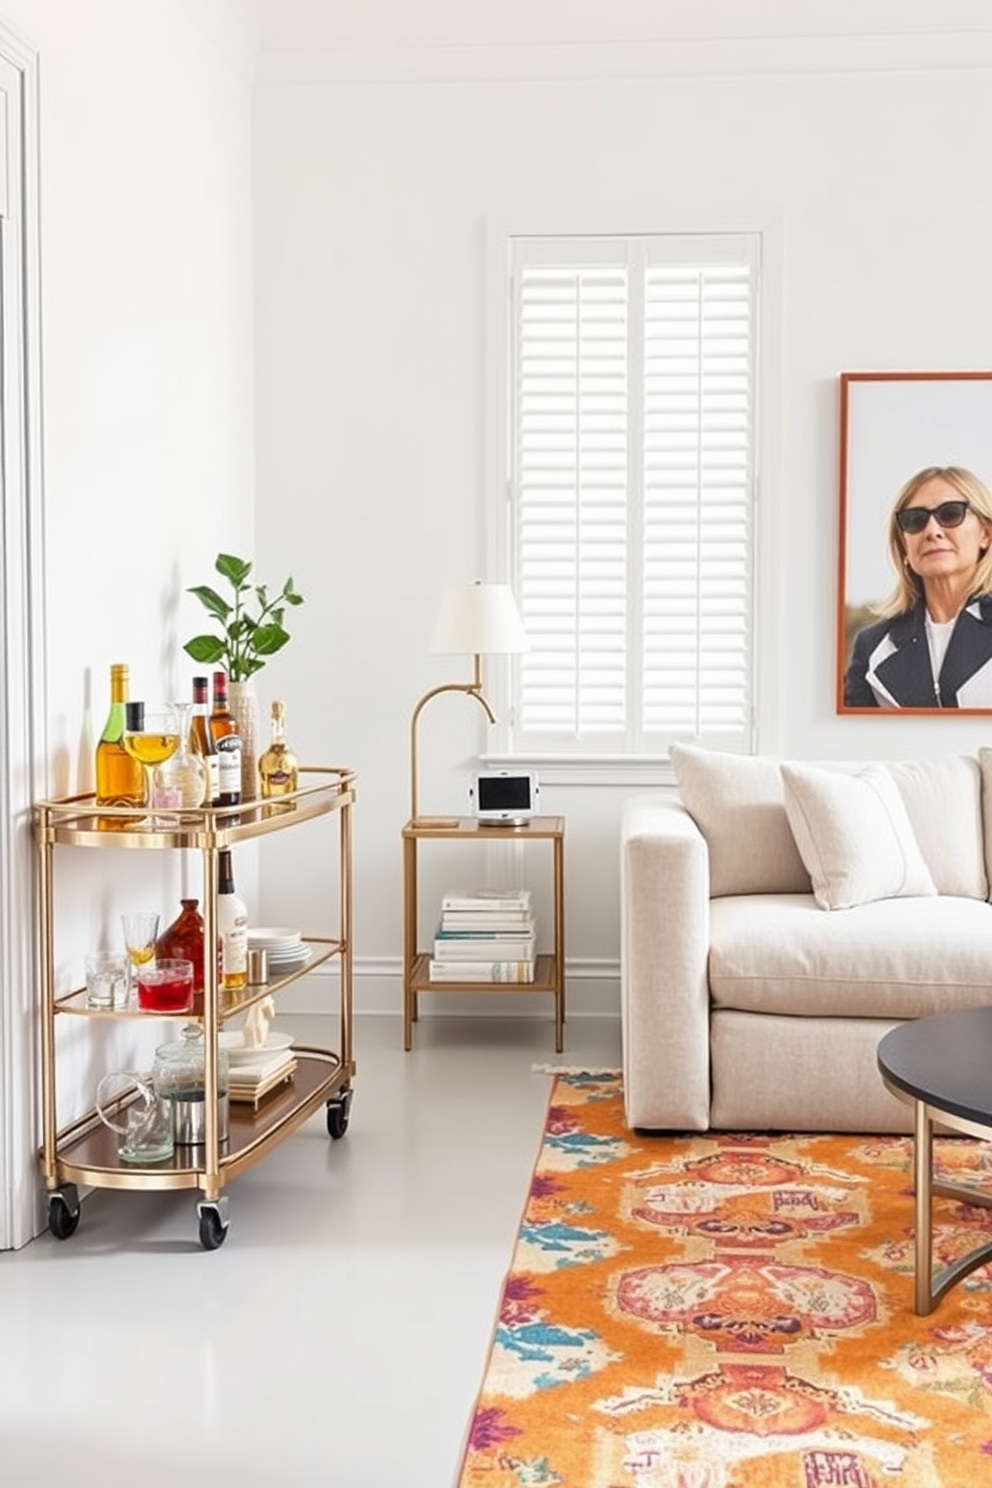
[(732, 1312)]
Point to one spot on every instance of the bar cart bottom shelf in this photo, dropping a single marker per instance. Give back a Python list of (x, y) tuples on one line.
[(87, 1150)]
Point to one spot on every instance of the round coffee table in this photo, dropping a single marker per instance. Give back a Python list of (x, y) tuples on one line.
[(943, 1065)]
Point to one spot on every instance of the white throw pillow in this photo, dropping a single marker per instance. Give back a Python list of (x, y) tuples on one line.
[(854, 835), (736, 802)]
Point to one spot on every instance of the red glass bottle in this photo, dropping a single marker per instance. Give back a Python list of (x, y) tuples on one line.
[(183, 940)]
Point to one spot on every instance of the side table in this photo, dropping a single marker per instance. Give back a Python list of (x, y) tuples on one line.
[(549, 972)]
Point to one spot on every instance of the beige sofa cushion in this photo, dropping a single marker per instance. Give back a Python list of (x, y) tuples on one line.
[(854, 835), (896, 958), (736, 802), (943, 798)]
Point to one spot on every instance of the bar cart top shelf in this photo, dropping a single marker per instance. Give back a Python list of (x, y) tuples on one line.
[(78, 821)]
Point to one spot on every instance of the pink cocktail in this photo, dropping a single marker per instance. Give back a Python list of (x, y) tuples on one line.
[(166, 987)]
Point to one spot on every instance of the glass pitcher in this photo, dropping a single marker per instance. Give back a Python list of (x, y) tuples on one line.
[(134, 1107)]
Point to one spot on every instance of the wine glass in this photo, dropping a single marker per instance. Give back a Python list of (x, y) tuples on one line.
[(181, 780), (150, 736)]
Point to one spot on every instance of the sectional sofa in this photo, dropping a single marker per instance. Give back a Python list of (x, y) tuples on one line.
[(778, 917)]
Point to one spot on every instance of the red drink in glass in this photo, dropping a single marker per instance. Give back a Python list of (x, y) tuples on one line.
[(166, 987)]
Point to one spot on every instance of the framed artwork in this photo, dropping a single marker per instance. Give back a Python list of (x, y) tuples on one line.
[(894, 426)]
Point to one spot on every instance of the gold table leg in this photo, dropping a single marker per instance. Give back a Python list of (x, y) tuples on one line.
[(930, 1287)]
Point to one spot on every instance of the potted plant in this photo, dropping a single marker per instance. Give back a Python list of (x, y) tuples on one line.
[(251, 623), (251, 630)]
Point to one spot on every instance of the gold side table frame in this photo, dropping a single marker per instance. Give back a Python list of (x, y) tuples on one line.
[(549, 974)]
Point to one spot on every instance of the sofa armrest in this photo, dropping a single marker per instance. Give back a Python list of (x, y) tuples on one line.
[(664, 947)]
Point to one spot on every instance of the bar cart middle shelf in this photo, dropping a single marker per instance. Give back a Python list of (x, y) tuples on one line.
[(85, 1152)]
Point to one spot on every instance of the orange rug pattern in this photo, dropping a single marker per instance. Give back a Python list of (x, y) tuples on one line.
[(732, 1311)]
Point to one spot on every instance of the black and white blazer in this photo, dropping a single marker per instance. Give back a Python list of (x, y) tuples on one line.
[(890, 662)]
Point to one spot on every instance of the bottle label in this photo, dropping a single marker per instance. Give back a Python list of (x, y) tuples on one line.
[(229, 765), (235, 948)]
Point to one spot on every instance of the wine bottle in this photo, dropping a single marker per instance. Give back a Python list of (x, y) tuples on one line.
[(119, 777), (225, 731), (277, 769), (202, 741), (232, 926)]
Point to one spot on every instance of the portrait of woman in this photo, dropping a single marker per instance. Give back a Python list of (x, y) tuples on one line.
[(931, 646), (914, 607)]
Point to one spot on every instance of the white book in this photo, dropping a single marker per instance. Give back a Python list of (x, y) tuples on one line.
[(521, 921), (476, 899), (449, 929), (481, 971), (485, 948)]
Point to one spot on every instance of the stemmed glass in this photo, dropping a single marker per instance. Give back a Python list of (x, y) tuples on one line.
[(150, 736)]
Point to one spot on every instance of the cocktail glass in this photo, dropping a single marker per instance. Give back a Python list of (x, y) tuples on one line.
[(166, 987), (151, 736), (140, 933)]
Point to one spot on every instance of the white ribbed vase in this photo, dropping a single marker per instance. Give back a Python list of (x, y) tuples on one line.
[(244, 708)]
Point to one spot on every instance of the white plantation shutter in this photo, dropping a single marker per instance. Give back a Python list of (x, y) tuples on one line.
[(631, 476)]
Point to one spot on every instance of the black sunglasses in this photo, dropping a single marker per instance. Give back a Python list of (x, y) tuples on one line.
[(948, 514)]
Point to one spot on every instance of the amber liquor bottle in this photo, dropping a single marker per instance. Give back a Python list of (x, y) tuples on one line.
[(278, 771), (120, 780), (224, 728), (202, 742)]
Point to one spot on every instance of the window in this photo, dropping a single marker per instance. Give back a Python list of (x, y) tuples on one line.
[(630, 473)]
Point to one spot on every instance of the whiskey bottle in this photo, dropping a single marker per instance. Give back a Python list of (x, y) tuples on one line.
[(232, 926), (119, 777), (225, 731), (202, 742), (277, 769)]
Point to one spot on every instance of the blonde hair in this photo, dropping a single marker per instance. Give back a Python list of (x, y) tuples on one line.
[(909, 587)]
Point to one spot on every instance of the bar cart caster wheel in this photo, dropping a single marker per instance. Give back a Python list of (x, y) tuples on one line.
[(214, 1223), (63, 1211), (338, 1111)]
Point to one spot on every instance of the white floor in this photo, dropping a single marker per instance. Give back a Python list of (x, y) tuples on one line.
[(338, 1336)]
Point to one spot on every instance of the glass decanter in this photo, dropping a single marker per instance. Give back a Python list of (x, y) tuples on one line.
[(181, 781)]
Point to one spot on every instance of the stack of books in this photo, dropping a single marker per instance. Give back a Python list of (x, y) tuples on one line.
[(485, 935)]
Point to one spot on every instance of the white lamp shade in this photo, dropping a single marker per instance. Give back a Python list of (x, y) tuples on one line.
[(478, 619)]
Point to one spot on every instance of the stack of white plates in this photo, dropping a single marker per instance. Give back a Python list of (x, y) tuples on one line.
[(285, 948)]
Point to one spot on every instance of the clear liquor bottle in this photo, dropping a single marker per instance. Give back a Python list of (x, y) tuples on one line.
[(278, 770), (232, 926)]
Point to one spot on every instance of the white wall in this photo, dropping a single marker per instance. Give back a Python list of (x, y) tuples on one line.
[(147, 335), (147, 338), (372, 204)]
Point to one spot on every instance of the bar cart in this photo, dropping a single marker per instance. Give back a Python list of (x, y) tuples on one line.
[(85, 1152)]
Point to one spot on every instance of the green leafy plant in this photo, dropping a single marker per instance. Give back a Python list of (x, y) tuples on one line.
[(252, 627)]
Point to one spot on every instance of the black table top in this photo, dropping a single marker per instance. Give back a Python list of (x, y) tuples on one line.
[(944, 1059)]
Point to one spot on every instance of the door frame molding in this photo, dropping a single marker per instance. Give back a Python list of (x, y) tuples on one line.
[(23, 690)]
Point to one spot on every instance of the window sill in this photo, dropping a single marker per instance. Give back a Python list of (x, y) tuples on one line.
[(591, 769)]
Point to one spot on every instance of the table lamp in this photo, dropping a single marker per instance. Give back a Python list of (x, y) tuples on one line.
[(472, 620)]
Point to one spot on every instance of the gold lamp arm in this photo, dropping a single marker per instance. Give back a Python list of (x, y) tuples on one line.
[(471, 689)]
